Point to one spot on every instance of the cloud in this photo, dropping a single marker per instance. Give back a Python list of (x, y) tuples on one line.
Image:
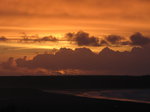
[(2, 38), (35, 38), (104, 43), (114, 39), (10, 68), (10, 64), (46, 38), (139, 39), (107, 62), (83, 39)]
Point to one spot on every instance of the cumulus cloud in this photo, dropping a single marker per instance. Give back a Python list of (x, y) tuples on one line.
[(107, 62), (139, 39), (84, 61), (114, 39), (83, 39)]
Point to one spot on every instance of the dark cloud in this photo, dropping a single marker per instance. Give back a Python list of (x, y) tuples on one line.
[(10, 68), (26, 38), (70, 36), (83, 39), (46, 38), (35, 38), (107, 61), (10, 64), (114, 39), (3, 38), (104, 43), (139, 39), (125, 43)]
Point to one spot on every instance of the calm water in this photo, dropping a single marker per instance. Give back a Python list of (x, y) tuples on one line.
[(133, 95)]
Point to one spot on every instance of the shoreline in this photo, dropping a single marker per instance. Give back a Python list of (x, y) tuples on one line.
[(22, 99)]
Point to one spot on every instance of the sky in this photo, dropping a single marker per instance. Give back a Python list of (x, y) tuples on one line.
[(31, 28), (60, 16)]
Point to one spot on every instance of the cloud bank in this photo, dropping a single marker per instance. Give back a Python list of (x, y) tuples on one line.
[(107, 62), (83, 39), (10, 68), (84, 61)]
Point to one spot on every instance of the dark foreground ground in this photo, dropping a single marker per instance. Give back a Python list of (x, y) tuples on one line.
[(32, 100), (76, 82), (24, 94)]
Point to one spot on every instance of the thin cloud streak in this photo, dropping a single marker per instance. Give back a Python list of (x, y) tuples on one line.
[(82, 38)]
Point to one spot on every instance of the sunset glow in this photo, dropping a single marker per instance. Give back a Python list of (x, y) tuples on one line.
[(30, 28)]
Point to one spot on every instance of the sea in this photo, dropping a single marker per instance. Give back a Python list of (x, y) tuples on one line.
[(131, 95)]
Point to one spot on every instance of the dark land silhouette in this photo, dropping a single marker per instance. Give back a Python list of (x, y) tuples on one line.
[(76, 82), (25, 93)]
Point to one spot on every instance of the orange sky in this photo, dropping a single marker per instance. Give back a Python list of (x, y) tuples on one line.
[(89, 21), (57, 17), (60, 16)]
